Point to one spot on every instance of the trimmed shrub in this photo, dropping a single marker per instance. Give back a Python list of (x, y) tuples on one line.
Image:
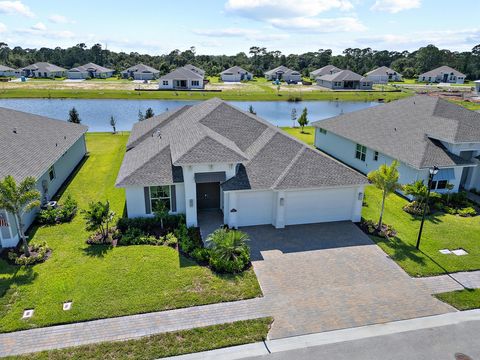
[(415, 208), (38, 253), (229, 252), (371, 228), (467, 212), (63, 213)]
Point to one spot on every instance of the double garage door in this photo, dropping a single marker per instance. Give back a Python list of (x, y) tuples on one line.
[(301, 207)]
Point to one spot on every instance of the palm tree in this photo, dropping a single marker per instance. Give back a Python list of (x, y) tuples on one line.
[(385, 178), (113, 124), (228, 245), (19, 200), (418, 190)]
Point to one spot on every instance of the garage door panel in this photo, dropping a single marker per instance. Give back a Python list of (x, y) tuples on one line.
[(254, 208), (303, 207)]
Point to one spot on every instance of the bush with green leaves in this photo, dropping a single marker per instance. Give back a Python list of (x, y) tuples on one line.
[(65, 212), (229, 252), (467, 212), (38, 253), (371, 228), (98, 218)]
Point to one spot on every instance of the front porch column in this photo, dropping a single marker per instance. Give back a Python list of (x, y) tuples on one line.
[(190, 196), (280, 210)]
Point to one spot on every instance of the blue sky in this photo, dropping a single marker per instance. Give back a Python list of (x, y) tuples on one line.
[(231, 26)]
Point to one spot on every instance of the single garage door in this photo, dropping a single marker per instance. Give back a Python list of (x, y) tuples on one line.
[(312, 206), (254, 208)]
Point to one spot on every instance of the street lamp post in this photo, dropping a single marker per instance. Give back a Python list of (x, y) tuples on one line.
[(432, 172)]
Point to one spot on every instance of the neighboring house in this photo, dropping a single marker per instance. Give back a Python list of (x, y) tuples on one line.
[(443, 74), (283, 73), (235, 74), (326, 70), (344, 80), (47, 149), (213, 156), (7, 71), (383, 75), (182, 78), (89, 71), (43, 70), (195, 69), (420, 132), (477, 87), (141, 72)]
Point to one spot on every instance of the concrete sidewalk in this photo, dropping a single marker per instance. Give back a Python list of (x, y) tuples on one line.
[(451, 282)]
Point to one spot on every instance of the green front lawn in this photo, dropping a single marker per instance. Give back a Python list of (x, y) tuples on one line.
[(441, 231), (167, 344), (462, 299), (105, 282)]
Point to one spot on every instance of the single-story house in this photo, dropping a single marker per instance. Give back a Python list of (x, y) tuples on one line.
[(7, 71), (181, 78), (383, 75), (344, 80), (326, 70), (195, 69), (213, 156), (285, 74), (443, 74), (46, 149), (477, 87), (420, 132), (89, 71), (141, 72), (235, 74), (43, 70)]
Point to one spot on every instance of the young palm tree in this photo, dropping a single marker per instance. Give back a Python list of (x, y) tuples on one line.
[(19, 200), (418, 190), (385, 178), (228, 245)]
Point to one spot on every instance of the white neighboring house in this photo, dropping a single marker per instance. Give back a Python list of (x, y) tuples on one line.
[(182, 78), (420, 132), (43, 70), (89, 71), (443, 74), (477, 87), (235, 74), (213, 156), (326, 70), (7, 71), (344, 80), (382, 75), (47, 149), (282, 73), (141, 72)]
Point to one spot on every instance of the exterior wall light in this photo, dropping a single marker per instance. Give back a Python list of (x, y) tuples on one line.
[(282, 201)]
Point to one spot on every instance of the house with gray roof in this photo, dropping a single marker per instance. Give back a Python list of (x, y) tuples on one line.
[(443, 74), (477, 87), (43, 70), (382, 75), (46, 149), (6, 71), (282, 73), (344, 80), (420, 132), (90, 71), (326, 70), (140, 72), (213, 156), (235, 74), (182, 78)]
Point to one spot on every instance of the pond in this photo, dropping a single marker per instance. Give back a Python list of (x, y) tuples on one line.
[(96, 113)]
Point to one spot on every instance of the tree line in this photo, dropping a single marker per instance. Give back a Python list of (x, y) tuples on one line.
[(257, 60)]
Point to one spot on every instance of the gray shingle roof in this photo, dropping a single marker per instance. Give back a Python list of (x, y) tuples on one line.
[(328, 69), (442, 70), (182, 73), (281, 68), (91, 67), (195, 69), (37, 144), (44, 67), (214, 131), (382, 70), (234, 70), (343, 75), (6, 68), (141, 68), (404, 129)]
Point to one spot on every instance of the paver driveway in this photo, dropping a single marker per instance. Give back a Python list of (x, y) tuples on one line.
[(330, 276)]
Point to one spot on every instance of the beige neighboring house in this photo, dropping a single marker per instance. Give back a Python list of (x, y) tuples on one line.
[(235, 74), (90, 71), (6, 71), (43, 70), (344, 80), (282, 73), (443, 74), (187, 77), (383, 75), (326, 70)]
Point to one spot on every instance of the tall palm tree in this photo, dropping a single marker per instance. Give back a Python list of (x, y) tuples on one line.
[(385, 178), (19, 200)]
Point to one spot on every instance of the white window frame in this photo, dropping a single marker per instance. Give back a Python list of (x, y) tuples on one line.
[(360, 152), (195, 82), (322, 131), (375, 156), (164, 82), (51, 173), (152, 198)]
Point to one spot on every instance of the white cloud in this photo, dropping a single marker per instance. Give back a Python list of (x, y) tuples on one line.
[(15, 7), (60, 19), (395, 6), (249, 34), (267, 9), (3, 28), (48, 34), (39, 27), (320, 25)]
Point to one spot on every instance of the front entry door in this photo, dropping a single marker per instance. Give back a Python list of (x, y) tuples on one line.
[(208, 195)]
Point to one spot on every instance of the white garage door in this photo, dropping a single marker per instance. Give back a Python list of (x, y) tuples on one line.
[(304, 207), (254, 208)]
